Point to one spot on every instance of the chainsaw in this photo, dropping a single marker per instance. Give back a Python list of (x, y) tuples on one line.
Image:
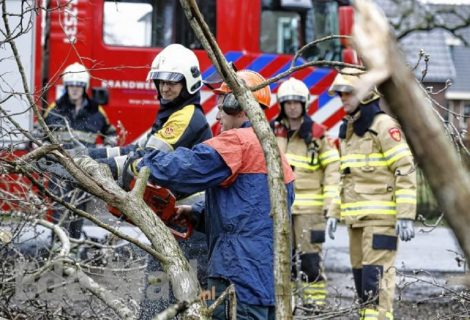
[(163, 204), (160, 200)]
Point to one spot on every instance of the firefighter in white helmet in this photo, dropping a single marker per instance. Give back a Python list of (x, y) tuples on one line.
[(75, 117), (377, 198), (315, 161), (180, 122)]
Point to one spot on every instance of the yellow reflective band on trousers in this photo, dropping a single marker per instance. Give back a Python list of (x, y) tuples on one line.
[(387, 158), (371, 314), (315, 293), (405, 196), (328, 157), (308, 199), (301, 162), (368, 207)]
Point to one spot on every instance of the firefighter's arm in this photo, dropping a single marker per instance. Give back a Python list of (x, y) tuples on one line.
[(400, 161), (185, 170), (173, 134), (329, 162)]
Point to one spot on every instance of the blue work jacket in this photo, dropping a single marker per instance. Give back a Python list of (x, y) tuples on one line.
[(231, 168)]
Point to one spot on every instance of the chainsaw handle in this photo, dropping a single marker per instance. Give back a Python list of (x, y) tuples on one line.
[(183, 235)]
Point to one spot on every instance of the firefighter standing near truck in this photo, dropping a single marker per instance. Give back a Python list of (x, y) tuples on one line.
[(315, 161), (180, 122), (76, 118), (377, 195), (239, 229)]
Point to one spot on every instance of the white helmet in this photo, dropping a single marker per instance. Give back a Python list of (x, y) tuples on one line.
[(175, 63), (293, 90), (76, 75)]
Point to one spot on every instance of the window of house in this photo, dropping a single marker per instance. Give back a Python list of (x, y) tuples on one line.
[(466, 109), (285, 28), (149, 23)]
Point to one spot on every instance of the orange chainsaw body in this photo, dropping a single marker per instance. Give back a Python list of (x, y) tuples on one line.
[(162, 202)]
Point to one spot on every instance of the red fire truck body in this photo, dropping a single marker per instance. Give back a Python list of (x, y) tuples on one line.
[(117, 41)]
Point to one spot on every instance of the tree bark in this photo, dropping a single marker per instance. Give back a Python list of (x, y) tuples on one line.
[(277, 190), (99, 183)]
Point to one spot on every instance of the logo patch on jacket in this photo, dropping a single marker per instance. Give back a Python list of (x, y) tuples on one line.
[(168, 132), (395, 134)]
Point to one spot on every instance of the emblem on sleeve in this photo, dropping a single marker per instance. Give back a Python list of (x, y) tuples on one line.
[(395, 134), (168, 132)]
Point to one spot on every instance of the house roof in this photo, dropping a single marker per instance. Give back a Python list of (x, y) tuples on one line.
[(441, 67), (460, 88)]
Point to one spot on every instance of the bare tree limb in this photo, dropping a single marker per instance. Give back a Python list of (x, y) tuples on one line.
[(277, 190)]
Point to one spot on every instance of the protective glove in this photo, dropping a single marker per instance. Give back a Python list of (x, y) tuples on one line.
[(404, 229), (78, 152), (331, 224)]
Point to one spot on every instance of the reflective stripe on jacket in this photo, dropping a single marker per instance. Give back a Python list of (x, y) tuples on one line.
[(378, 181), (315, 165), (90, 122), (184, 127)]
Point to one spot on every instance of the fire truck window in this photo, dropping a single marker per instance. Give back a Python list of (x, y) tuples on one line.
[(322, 21), (149, 23), (127, 23), (286, 29), (279, 31)]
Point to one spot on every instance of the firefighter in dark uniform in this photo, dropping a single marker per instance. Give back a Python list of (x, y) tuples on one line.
[(73, 119), (377, 195), (180, 122), (315, 161)]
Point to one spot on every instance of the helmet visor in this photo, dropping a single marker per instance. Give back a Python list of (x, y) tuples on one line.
[(292, 97), (341, 88), (165, 76), (75, 83)]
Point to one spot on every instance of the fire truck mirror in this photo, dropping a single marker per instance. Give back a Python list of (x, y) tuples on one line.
[(100, 95)]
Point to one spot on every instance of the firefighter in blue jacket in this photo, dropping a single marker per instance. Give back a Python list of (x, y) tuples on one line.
[(76, 118), (231, 168), (180, 121)]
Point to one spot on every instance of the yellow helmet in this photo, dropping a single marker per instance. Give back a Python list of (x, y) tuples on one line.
[(347, 82)]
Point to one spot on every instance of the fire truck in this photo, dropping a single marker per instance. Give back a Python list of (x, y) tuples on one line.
[(118, 39)]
